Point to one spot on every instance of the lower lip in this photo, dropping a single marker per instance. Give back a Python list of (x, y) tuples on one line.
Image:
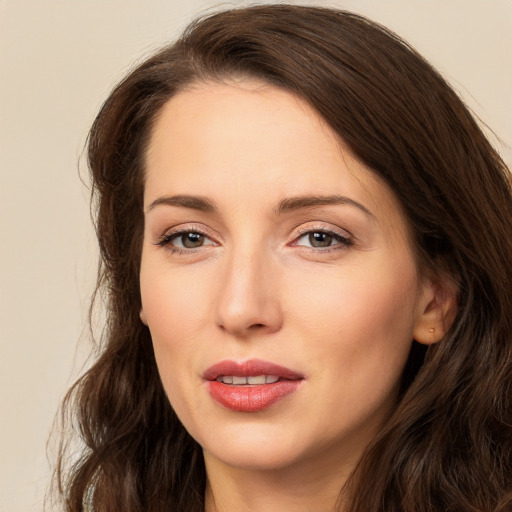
[(251, 398)]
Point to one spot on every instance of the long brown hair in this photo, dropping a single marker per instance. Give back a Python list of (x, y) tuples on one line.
[(448, 444)]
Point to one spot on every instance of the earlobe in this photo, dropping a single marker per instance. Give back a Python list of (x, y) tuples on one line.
[(143, 317), (437, 311)]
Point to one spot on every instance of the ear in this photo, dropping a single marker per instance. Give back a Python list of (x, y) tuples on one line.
[(437, 309), (143, 317)]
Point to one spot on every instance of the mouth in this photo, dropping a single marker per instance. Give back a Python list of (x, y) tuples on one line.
[(234, 380), (251, 386), (249, 370)]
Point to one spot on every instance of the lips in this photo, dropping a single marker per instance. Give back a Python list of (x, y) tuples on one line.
[(251, 386)]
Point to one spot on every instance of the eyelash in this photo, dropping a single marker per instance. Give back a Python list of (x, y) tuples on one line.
[(343, 241), (166, 240)]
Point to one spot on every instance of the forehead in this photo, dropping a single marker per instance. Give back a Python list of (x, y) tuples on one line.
[(241, 124), (247, 139)]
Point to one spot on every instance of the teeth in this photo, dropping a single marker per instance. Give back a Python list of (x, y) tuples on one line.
[(260, 379), (241, 381)]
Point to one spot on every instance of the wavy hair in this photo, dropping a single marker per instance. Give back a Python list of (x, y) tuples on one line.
[(448, 444)]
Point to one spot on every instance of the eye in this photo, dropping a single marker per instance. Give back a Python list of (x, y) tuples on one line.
[(321, 239), (189, 240), (183, 240)]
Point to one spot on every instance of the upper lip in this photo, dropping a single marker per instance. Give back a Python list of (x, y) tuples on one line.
[(250, 368)]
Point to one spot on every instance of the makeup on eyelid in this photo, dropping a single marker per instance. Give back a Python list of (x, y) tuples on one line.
[(320, 239)]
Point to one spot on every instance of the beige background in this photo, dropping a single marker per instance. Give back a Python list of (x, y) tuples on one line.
[(58, 60)]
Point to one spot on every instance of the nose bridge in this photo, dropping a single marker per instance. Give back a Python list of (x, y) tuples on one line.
[(247, 299)]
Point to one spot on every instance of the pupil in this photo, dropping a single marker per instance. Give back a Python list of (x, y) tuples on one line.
[(191, 240), (320, 239)]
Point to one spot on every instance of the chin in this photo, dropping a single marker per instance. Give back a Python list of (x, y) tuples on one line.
[(257, 459), (253, 450)]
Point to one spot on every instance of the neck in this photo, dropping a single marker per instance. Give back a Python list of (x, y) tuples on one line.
[(305, 488)]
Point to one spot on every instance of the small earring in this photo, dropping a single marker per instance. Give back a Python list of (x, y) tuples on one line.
[(432, 332)]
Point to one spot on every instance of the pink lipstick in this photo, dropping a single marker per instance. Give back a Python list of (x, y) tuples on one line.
[(251, 386)]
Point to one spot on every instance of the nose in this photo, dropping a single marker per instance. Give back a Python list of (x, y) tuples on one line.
[(248, 301)]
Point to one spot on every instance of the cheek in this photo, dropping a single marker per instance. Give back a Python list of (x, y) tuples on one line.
[(366, 296), (361, 321), (358, 344), (175, 320), (172, 300), (176, 316)]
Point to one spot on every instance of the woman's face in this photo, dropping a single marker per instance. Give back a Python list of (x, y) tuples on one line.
[(277, 280)]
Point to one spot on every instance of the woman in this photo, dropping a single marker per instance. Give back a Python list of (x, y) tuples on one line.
[(305, 242)]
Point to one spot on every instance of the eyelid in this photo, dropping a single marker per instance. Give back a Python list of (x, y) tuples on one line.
[(344, 237), (327, 228), (166, 238)]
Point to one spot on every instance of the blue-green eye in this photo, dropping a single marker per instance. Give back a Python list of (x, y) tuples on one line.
[(185, 240), (321, 239)]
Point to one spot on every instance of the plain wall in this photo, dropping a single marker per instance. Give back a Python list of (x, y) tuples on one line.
[(58, 61)]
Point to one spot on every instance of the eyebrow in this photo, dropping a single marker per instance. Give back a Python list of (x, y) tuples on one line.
[(289, 204), (202, 204), (300, 202)]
